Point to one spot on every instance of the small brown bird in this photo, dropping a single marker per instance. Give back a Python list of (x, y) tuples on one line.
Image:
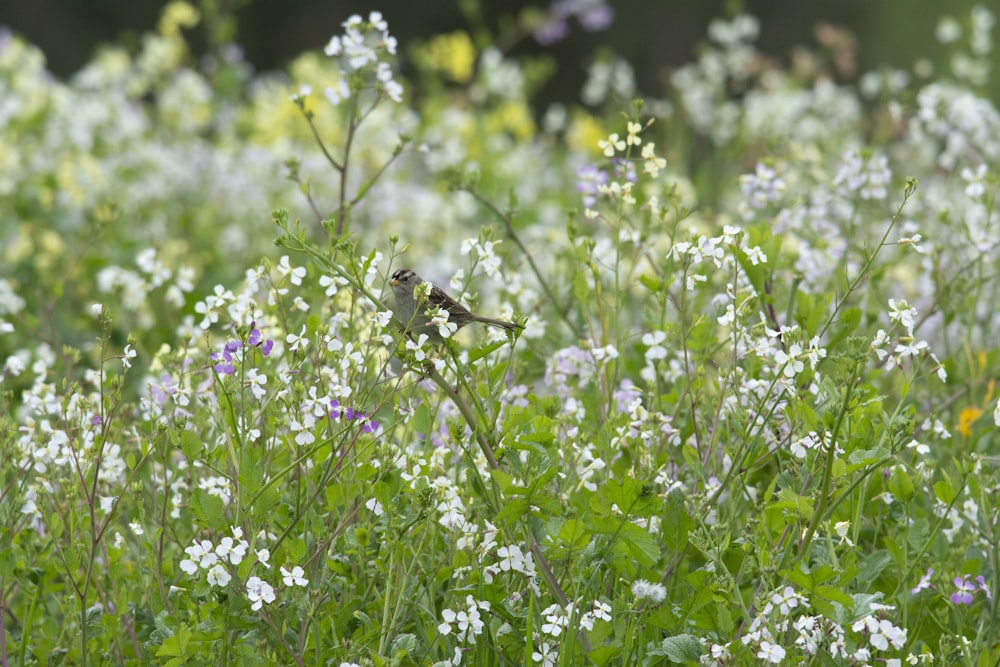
[(411, 312)]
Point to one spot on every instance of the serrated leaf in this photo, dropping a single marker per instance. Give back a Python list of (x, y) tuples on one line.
[(502, 479), (572, 535), (207, 509), (641, 545), (631, 496), (863, 604), (191, 445), (515, 507)]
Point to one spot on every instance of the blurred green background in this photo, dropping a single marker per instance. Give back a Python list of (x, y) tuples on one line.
[(653, 36)]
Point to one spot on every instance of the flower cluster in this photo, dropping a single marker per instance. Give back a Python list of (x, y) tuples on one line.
[(362, 53), (337, 411), (219, 561), (902, 315)]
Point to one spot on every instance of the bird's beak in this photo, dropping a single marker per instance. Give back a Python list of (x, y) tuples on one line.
[(393, 282)]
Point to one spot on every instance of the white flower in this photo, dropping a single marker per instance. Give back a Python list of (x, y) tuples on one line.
[(612, 144), (218, 576), (373, 504), (259, 592), (337, 93), (297, 341), (128, 356), (294, 577), (771, 652), (296, 273)]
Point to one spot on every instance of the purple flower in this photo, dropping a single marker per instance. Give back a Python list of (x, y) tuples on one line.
[(555, 30), (626, 169), (984, 588), (593, 15), (597, 16), (965, 590), (338, 412), (256, 339), (925, 582), (226, 366), (625, 394), (590, 179)]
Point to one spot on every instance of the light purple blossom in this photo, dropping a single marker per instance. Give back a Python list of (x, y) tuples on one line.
[(965, 590)]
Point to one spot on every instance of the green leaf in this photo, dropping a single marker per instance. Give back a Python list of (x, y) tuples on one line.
[(679, 648), (602, 655), (515, 507), (676, 524), (651, 282), (207, 509), (502, 479), (480, 352), (497, 373), (192, 445), (918, 534), (176, 644), (944, 491), (573, 535), (863, 605), (872, 566), (863, 457), (403, 645), (631, 496), (832, 593), (423, 420), (641, 545), (900, 484)]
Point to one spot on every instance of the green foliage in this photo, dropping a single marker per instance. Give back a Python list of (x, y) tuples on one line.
[(746, 419)]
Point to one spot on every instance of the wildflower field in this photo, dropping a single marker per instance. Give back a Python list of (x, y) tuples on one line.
[(751, 417)]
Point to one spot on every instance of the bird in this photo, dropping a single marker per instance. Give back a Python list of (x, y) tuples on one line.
[(411, 307)]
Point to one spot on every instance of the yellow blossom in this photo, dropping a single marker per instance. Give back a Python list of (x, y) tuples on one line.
[(512, 117), (584, 133), (452, 54), (178, 15), (967, 418)]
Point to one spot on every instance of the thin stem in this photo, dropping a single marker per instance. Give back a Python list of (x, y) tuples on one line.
[(831, 452), (870, 261), (509, 228)]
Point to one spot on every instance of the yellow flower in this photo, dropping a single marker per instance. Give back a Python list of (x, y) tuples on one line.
[(452, 54), (584, 133), (966, 419), (178, 15), (512, 117)]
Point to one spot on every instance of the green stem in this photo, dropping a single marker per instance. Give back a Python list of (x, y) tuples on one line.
[(831, 451)]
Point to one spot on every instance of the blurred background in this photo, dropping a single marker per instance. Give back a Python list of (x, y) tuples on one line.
[(654, 36)]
